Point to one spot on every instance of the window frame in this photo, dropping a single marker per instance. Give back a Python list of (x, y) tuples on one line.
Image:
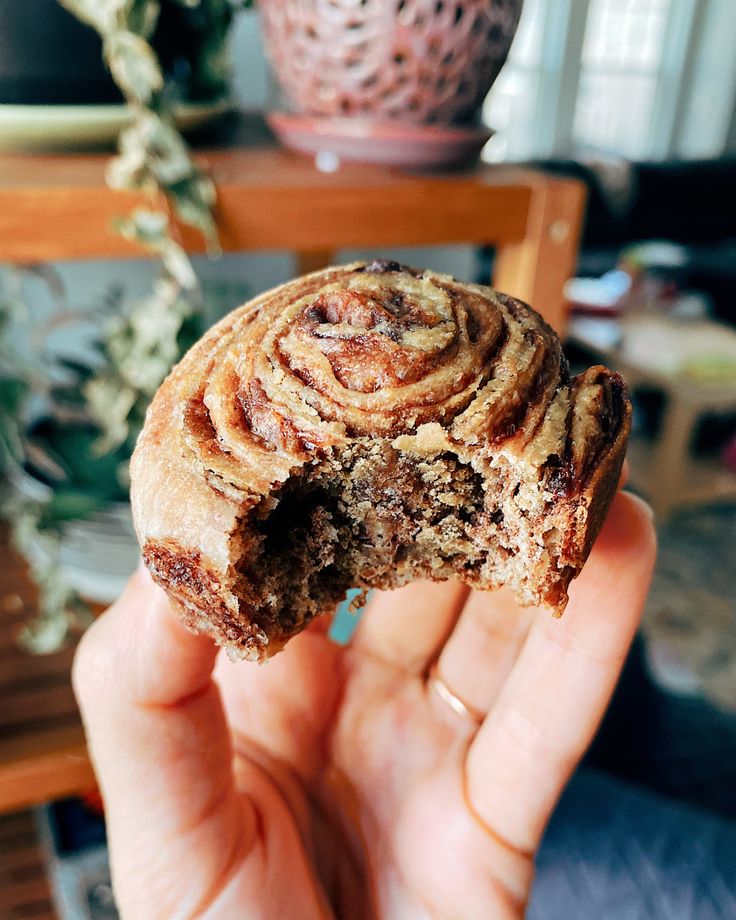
[(560, 66)]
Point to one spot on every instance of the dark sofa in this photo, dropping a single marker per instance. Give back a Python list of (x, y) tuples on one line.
[(688, 202)]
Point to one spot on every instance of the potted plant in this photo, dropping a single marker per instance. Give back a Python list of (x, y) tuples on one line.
[(67, 433), (48, 57), (65, 493), (56, 88), (70, 413), (399, 82)]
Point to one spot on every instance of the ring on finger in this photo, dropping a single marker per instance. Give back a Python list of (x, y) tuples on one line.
[(458, 706)]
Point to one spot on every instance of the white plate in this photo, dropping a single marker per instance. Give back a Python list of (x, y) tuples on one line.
[(99, 553), (36, 128)]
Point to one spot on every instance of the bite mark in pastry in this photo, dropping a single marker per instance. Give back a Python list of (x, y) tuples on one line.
[(364, 426)]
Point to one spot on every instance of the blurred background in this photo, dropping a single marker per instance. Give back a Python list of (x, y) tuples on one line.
[(119, 246)]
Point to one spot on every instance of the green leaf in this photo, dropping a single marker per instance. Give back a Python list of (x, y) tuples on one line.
[(143, 16), (190, 332), (72, 446), (193, 200), (70, 505), (134, 66), (45, 635), (68, 396), (13, 391), (102, 15), (147, 227), (78, 368), (178, 264), (11, 444)]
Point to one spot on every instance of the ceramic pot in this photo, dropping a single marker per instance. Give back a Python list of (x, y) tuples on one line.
[(49, 57), (416, 61)]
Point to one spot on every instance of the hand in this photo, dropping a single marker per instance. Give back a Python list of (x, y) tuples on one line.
[(334, 782)]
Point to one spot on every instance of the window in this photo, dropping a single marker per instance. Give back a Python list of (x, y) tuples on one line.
[(511, 106), (621, 60), (616, 76)]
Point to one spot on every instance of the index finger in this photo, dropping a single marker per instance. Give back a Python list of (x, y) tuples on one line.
[(545, 716), (160, 747)]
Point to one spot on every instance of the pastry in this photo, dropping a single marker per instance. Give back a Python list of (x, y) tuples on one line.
[(361, 427)]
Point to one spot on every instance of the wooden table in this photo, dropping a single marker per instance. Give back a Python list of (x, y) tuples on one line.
[(649, 352), (42, 750), (58, 207), (25, 891)]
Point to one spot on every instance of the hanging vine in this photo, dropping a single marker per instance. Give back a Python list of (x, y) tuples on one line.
[(153, 159), (137, 348)]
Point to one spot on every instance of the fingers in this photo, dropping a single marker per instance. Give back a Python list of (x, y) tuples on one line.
[(485, 643), (483, 647), (555, 696), (407, 627), (160, 747), (286, 706)]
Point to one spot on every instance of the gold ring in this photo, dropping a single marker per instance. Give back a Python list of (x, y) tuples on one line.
[(447, 696)]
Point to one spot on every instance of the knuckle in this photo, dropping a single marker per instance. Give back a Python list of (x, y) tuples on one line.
[(525, 735), (531, 741)]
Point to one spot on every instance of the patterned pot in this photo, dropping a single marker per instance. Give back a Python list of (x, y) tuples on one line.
[(416, 61)]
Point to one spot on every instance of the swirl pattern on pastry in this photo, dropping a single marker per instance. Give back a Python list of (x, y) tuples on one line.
[(363, 426)]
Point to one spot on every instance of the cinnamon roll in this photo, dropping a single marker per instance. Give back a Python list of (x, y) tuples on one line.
[(361, 427)]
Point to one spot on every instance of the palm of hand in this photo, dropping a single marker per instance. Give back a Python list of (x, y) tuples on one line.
[(370, 766), (332, 783)]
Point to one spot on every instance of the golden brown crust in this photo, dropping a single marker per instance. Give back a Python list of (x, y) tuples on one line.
[(346, 358)]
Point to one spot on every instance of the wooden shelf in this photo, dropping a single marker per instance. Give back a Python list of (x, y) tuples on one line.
[(24, 887), (58, 207), (43, 754)]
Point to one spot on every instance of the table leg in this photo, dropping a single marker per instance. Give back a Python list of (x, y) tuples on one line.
[(536, 268), (313, 260), (670, 459)]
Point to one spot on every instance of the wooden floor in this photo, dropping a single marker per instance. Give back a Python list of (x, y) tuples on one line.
[(42, 751), (25, 893), (41, 746)]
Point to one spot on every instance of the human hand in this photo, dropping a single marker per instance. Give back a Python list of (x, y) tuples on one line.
[(335, 782)]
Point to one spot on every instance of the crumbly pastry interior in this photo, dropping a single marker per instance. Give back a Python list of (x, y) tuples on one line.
[(375, 516), (362, 427)]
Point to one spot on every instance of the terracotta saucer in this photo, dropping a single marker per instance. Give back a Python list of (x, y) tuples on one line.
[(389, 143)]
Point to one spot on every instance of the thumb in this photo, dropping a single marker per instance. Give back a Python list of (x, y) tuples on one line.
[(161, 750)]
